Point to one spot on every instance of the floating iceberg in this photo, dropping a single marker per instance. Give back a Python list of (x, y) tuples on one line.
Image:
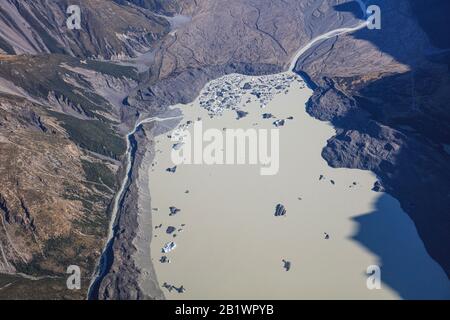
[(280, 210), (172, 170), (279, 123), (170, 229), (173, 211), (169, 247)]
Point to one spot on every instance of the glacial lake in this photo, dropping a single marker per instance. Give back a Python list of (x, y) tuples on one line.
[(229, 243)]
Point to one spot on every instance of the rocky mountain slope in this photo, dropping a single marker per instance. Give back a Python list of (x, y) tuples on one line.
[(60, 154), (61, 137), (108, 30)]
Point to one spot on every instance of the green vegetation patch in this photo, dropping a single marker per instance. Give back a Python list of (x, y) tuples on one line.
[(99, 173), (93, 135)]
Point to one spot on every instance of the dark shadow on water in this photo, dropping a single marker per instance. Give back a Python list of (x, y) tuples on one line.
[(406, 267), (414, 102), (352, 7)]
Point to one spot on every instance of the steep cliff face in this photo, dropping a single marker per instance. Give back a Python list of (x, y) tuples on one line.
[(387, 92), (108, 30)]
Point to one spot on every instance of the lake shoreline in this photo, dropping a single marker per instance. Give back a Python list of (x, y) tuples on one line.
[(335, 221)]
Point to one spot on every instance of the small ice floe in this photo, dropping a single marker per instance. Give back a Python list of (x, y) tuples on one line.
[(169, 246), (170, 230), (164, 259), (327, 236), (173, 211), (267, 115), (241, 114), (256, 94), (286, 265), (247, 86), (279, 123), (171, 287), (172, 170), (377, 187), (180, 289), (280, 210)]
